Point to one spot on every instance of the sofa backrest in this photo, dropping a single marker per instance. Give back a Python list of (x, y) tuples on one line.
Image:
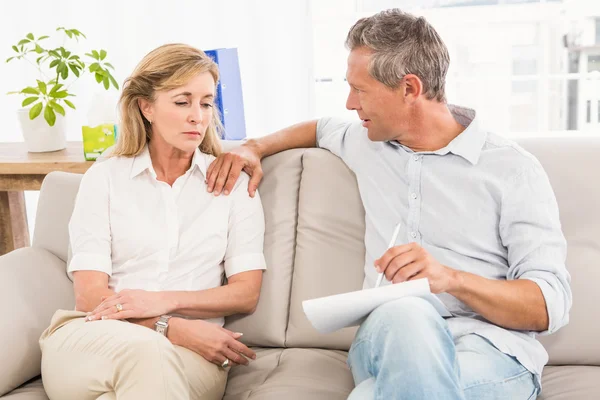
[(314, 242)]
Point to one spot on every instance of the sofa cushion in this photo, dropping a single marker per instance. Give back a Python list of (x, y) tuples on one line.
[(279, 194), (32, 390), (570, 383), (33, 285), (55, 206), (330, 249), (572, 166), (292, 374)]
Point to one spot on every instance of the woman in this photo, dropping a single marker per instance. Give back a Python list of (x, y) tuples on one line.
[(150, 246)]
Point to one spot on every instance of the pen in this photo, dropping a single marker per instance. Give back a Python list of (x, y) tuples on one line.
[(392, 243)]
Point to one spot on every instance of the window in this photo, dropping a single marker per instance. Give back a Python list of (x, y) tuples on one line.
[(511, 60), (593, 63)]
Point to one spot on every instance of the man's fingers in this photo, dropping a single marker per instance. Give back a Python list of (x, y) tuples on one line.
[(382, 263), (210, 167), (255, 179), (211, 176), (222, 176), (398, 263), (406, 272), (232, 177)]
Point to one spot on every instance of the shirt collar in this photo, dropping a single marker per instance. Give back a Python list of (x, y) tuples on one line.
[(469, 143), (143, 162)]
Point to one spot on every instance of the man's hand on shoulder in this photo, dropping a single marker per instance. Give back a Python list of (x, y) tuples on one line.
[(224, 171)]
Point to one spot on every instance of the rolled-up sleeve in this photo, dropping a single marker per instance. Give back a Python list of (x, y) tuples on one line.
[(531, 231), (336, 135), (89, 227), (246, 231)]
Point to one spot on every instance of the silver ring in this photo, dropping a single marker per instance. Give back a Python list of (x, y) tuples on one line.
[(225, 363), (119, 307)]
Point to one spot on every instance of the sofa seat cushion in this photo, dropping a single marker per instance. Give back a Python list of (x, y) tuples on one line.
[(32, 390), (292, 374), (570, 382)]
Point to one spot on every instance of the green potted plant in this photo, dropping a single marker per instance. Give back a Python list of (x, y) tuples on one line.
[(46, 101)]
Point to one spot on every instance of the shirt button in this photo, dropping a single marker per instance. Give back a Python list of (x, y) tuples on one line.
[(413, 234), (414, 195), (416, 158)]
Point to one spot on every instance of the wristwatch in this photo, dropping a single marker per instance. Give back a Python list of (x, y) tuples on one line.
[(162, 325)]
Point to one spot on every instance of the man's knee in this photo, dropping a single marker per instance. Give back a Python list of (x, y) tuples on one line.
[(409, 315)]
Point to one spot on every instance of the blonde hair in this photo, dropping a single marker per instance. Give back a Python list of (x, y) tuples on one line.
[(164, 68)]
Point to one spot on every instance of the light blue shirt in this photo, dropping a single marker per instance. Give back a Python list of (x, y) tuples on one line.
[(482, 204)]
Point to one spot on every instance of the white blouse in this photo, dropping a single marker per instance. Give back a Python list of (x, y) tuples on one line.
[(148, 235)]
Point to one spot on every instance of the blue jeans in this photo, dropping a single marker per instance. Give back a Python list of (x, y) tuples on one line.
[(404, 350)]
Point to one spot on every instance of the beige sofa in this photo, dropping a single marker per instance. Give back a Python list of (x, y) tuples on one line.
[(314, 247)]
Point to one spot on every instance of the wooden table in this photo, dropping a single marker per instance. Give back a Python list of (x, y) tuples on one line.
[(21, 170)]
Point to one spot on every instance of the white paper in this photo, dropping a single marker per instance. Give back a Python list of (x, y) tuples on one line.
[(328, 314)]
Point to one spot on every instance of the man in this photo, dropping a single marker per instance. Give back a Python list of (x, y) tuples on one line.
[(477, 211)]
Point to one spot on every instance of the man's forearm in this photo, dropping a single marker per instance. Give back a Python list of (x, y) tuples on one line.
[(517, 304), (300, 135)]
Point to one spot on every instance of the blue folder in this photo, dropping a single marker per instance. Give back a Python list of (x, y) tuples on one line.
[(229, 99)]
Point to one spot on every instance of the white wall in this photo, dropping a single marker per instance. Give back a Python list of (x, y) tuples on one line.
[(273, 40)]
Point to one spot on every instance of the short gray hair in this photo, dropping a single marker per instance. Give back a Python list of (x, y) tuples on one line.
[(403, 44)]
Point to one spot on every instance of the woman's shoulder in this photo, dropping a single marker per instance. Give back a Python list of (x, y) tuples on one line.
[(109, 166)]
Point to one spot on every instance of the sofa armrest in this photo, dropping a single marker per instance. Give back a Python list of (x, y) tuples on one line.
[(33, 285)]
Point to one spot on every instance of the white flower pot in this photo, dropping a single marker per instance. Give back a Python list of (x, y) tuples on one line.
[(39, 136)]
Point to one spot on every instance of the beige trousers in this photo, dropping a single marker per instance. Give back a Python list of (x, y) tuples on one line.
[(116, 359)]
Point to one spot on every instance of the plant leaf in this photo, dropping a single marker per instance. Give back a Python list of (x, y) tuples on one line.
[(55, 89), (114, 82), (109, 65), (15, 48), (99, 77), (30, 90), (54, 63), (9, 58), (28, 101), (38, 49), (96, 55), (70, 35), (106, 82), (60, 95), (102, 54), (30, 36), (42, 86), (74, 69), (24, 41), (78, 32), (69, 104), (37, 61), (57, 107), (94, 67), (49, 115), (35, 110), (42, 38), (65, 72)]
